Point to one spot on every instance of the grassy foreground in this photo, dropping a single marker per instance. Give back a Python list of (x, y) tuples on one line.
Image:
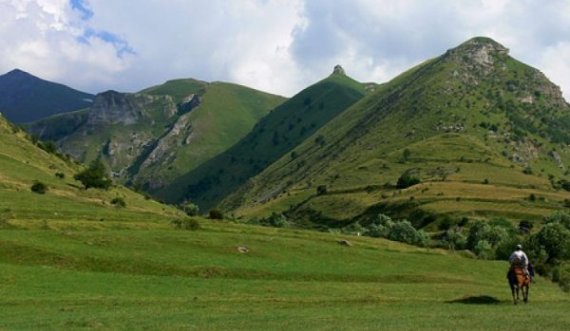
[(74, 277)]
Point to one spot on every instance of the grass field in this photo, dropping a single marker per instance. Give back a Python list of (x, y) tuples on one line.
[(68, 277)]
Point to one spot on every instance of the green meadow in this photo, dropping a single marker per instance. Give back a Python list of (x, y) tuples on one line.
[(63, 276)]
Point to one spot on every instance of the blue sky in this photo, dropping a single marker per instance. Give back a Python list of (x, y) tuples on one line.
[(280, 46)]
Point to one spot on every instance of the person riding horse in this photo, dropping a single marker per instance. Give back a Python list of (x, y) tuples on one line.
[(518, 275)]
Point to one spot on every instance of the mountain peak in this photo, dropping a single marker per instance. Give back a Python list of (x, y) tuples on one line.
[(339, 70), (17, 72), (480, 51)]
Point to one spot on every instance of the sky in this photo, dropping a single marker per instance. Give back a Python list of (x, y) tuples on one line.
[(278, 46)]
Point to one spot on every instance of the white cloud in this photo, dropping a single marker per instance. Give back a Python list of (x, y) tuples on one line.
[(556, 65), (42, 37), (274, 45)]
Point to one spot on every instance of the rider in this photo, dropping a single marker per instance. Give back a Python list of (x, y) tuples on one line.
[(519, 259)]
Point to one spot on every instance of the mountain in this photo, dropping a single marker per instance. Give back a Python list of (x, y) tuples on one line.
[(23, 163), (272, 137), (484, 134), (151, 137), (25, 98)]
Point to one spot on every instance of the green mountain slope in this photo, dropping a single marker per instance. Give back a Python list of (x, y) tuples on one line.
[(274, 136), (486, 134), (22, 164), (150, 138), (25, 98)]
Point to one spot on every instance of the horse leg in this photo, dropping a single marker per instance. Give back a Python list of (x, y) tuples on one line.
[(513, 293), (525, 294)]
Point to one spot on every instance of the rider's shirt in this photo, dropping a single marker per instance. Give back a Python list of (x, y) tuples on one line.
[(519, 257)]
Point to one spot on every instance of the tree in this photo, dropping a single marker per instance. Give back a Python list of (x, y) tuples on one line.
[(554, 238), (190, 208), (94, 176)]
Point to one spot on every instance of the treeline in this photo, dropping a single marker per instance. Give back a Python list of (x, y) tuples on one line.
[(495, 239)]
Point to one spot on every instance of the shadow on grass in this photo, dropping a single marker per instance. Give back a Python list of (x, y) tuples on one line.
[(477, 300)]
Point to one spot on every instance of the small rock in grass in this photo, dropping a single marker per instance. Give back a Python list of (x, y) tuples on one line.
[(243, 249)]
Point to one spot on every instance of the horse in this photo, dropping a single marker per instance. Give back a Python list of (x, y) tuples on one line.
[(518, 281)]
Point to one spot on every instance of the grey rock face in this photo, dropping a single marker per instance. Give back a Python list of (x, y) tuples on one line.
[(112, 107)]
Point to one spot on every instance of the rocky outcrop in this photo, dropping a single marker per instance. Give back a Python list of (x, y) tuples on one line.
[(339, 70), (112, 107), (190, 102), (167, 144)]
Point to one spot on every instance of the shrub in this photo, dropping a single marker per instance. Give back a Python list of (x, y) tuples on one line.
[(527, 170), (119, 202), (321, 190), (559, 217), (94, 176), (554, 238), (445, 224), (216, 214), (39, 187), (60, 175), (563, 275), (455, 239), (407, 180), (277, 220), (186, 224), (525, 226), (190, 208), (484, 250), (404, 231)]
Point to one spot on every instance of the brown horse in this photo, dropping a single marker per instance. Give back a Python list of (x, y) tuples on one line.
[(518, 281)]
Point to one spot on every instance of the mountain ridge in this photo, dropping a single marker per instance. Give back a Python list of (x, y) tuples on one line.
[(275, 135), (150, 136), (472, 95), (27, 98)]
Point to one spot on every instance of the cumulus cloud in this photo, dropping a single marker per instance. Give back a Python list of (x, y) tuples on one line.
[(279, 46), (377, 40), (49, 38)]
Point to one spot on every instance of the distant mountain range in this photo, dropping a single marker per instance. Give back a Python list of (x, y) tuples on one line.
[(25, 98), (471, 133)]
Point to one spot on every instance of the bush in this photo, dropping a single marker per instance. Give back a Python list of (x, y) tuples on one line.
[(404, 231), (60, 175), (563, 276), (406, 180), (525, 226), (95, 176), (277, 220), (119, 202), (39, 187), (186, 224), (455, 239), (216, 214), (559, 217), (484, 250), (554, 239), (321, 190), (190, 209)]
